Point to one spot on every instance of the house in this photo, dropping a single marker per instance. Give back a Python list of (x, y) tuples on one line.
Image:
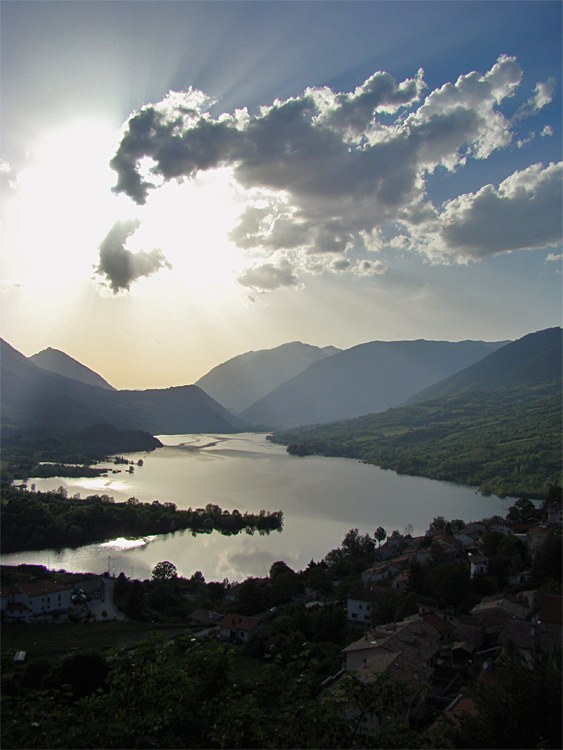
[(205, 617), (536, 538), (35, 599), (238, 628), (474, 529), (404, 561), (450, 546), (359, 605), (405, 651), (364, 604), (479, 565), (520, 578), (503, 528), (380, 572), (447, 631), (555, 514), (465, 539), (499, 601), (462, 626), (526, 635)]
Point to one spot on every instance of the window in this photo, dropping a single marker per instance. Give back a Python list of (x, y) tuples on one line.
[(354, 616)]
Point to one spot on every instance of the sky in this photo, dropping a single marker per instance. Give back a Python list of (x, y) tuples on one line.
[(183, 182)]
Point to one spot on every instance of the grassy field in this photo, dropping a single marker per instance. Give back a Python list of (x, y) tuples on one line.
[(56, 640)]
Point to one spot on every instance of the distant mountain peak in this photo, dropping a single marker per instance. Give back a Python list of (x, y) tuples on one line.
[(60, 363)]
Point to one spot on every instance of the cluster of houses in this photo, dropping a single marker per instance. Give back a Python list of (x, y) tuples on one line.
[(413, 651), (424, 650)]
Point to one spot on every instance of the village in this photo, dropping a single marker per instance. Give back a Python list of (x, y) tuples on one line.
[(430, 613)]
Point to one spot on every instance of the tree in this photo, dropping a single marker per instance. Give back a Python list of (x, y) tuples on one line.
[(380, 534), (164, 571), (438, 523), (521, 710), (491, 543), (357, 544), (449, 583), (521, 510)]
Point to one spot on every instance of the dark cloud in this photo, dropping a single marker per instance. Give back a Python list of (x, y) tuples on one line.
[(267, 277), (120, 266)]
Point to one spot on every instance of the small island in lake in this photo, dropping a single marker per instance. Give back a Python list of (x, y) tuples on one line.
[(36, 520)]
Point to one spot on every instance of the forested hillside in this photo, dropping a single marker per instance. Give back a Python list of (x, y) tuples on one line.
[(506, 443), (495, 425)]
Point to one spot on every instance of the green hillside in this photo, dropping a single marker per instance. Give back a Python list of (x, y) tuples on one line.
[(505, 442)]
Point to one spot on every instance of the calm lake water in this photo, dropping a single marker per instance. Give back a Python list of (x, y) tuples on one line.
[(321, 498)]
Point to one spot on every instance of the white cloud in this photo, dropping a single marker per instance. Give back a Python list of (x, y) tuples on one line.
[(369, 268), (548, 130), (543, 94), (323, 172), (524, 213)]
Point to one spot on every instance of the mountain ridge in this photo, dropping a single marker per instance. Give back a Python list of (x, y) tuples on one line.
[(240, 381), (37, 398), (505, 440), (366, 378), (54, 360)]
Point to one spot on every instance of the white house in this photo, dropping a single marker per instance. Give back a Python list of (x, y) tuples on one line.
[(35, 598), (238, 628), (479, 565), (359, 605)]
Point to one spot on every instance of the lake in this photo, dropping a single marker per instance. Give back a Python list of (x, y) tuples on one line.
[(321, 498)]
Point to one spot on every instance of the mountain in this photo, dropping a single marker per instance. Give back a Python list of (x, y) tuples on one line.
[(496, 426), (364, 379), (532, 360), (242, 380), (56, 361), (33, 398)]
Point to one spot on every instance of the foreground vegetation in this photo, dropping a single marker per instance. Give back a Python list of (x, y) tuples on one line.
[(37, 520), (506, 443)]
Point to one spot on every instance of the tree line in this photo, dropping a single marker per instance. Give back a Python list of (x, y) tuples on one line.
[(36, 520)]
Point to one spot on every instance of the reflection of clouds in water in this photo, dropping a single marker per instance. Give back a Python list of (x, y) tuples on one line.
[(123, 544), (240, 564)]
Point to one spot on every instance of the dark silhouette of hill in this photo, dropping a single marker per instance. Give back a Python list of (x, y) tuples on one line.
[(33, 398), (242, 380), (365, 379), (103, 437), (60, 363), (495, 425), (534, 359)]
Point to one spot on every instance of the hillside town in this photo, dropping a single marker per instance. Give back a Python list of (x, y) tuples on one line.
[(432, 615)]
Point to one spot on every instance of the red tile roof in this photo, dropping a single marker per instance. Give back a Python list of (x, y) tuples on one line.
[(239, 622)]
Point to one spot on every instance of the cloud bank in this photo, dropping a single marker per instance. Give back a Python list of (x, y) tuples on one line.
[(322, 174)]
